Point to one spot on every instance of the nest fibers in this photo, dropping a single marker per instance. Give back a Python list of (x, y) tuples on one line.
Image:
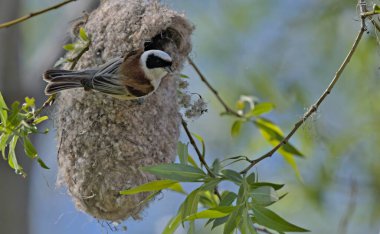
[(104, 141)]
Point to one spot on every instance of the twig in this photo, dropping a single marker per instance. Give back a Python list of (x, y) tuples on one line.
[(316, 105), (214, 91), (30, 15), (199, 154), (76, 59)]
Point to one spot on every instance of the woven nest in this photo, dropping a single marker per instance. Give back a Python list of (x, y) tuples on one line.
[(104, 141)]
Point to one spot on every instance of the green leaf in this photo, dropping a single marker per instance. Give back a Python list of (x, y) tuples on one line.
[(40, 119), (29, 148), (200, 139), (227, 198), (3, 143), (251, 179), (264, 195), (60, 62), (177, 187), (42, 163), (261, 184), (192, 161), (376, 9), (150, 186), (211, 184), (233, 221), (260, 109), (172, 225), (83, 34), (236, 128), (183, 152), (246, 225), (190, 205), (219, 221), (12, 160), (274, 135), (14, 118), (184, 76), (216, 166), (69, 47), (216, 212), (178, 172), (3, 110), (208, 199), (268, 218), (232, 175)]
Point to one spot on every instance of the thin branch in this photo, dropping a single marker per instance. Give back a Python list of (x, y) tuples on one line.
[(316, 105), (76, 59), (199, 154), (30, 15), (213, 90)]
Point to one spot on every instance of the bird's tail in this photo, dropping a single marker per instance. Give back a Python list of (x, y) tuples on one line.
[(59, 80)]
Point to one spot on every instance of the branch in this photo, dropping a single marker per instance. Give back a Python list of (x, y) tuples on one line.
[(199, 154), (30, 15), (316, 105), (214, 91)]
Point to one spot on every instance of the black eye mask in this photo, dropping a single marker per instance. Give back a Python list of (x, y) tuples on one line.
[(154, 61)]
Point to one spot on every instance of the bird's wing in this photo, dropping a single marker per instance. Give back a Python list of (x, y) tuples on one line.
[(110, 67)]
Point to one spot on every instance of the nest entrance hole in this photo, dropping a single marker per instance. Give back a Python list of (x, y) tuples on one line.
[(162, 40)]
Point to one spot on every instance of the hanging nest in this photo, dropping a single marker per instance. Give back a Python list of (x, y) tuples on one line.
[(103, 142)]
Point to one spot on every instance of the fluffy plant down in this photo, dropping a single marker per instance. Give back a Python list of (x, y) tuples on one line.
[(103, 141)]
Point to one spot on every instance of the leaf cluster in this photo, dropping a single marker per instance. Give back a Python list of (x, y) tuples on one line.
[(17, 123), (244, 210)]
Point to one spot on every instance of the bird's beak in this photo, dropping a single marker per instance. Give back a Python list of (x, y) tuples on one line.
[(169, 69)]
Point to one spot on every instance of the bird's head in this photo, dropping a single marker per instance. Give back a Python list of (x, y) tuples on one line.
[(156, 64)]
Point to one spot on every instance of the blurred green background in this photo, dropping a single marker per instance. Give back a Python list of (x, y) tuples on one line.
[(285, 52)]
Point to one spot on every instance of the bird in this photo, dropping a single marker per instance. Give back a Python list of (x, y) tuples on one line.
[(135, 76)]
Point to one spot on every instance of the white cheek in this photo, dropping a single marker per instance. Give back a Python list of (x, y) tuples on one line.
[(155, 75)]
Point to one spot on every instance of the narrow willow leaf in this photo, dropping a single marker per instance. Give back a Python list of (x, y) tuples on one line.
[(219, 221), (60, 62), (216, 166), (232, 175), (200, 139), (3, 110), (268, 218), (209, 199), (172, 225), (12, 160), (40, 119), (251, 179), (183, 152), (211, 184), (236, 128), (178, 172), (184, 76), (260, 184), (190, 205), (274, 135), (264, 196), (227, 198), (217, 212), (150, 186), (29, 148), (14, 118), (3, 144), (42, 163), (83, 34), (233, 221), (246, 225), (177, 187), (69, 47), (261, 108), (192, 161)]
